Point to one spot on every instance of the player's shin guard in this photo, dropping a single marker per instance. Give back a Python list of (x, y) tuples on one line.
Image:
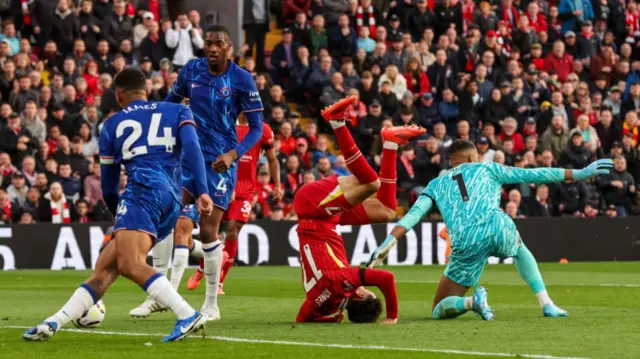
[(82, 299), (212, 265), (354, 159), (529, 272), (162, 254), (180, 261), (160, 289), (388, 175), (231, 249), (451, 307)]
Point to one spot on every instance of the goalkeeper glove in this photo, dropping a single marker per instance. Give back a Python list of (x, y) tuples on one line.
[(599, 167), (378, 256)]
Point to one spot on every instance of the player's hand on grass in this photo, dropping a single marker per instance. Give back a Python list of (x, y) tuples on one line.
[(224, 161), (205, 204), (389, 321), (599, 167)]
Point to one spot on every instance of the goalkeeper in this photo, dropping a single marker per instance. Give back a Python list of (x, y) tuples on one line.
[(468, 197)]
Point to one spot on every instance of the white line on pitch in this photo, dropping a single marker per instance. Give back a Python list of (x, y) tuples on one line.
[(523, 284), (311, 344)]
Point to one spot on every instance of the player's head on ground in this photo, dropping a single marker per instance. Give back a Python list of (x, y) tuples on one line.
[(364, 309), (462, 151), (131, 85), (217, 47)]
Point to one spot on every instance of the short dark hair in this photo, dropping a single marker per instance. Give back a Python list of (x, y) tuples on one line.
[(460, 146), (219, 28), (366, 310), (130, 79)]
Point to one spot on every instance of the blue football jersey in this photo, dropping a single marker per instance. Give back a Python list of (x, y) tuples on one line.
[(144, 138), (216, 103)]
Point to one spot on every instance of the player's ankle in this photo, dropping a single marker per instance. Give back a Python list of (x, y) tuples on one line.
[(390, 145), (336, 124)]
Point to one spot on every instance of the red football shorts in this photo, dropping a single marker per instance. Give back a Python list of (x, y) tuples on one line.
[(322, 200), (239, 210)]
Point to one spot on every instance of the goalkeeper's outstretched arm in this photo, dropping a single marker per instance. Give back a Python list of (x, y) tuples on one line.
[(415, 215), (511, 175)]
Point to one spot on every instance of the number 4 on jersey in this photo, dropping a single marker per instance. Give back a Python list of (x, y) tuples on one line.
[(152, 138)]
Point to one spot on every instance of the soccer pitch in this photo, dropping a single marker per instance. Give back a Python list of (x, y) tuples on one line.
[(259, 310)]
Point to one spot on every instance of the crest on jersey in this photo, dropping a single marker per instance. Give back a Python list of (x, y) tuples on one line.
[(225, 92)]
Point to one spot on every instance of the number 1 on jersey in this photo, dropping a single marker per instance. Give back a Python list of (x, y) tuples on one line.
[(461, 186)]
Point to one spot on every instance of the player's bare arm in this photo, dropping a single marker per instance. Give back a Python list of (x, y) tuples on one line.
[(274, 172)]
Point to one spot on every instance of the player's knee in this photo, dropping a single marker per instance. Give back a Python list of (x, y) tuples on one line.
[(125, 267), (181, 235), (366, 310), (233, 230), (389, 214), (374, 186)]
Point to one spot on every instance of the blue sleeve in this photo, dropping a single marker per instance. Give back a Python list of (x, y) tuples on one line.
[(511, 175), (110, 170), (254, 135), (191, 152), (417, 212), (179, 90)]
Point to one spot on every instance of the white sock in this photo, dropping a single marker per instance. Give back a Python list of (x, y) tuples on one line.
[(196, 251), (212, 266), (180, 261), (162, 254), (161, 290), (468, 303), (543, 298), (390, 145), (78, 304), (337, 124)]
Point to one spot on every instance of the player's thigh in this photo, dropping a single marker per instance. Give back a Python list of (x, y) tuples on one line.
[(188, 187), (354, 191), (368, 212), (221, 186), (466, 269), (506, 242), (448, 287), (187, 220)]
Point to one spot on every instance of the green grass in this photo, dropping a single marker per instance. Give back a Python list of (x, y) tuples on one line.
[(261, 304)]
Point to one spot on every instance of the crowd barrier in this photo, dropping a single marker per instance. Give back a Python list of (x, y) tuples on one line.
[(77, 246)]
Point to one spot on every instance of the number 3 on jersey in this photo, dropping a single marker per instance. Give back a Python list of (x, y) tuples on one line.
[(167, 140)]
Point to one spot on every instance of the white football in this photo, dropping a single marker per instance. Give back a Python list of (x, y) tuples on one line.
[(93, 317)]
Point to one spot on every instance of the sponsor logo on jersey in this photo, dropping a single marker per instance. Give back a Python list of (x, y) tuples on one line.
[(225, 92), (254, 96)]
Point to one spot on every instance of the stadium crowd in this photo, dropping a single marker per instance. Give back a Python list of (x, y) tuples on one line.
[(532, 83)]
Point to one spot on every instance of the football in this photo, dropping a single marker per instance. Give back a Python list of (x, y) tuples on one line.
[(93, 317)]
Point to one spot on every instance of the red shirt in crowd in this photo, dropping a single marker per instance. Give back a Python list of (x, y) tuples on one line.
[(563, 65), (539, 24), (518, 141), (288, 145)]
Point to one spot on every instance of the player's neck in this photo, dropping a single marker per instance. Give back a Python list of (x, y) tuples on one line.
[(133, 98), (218, 69)]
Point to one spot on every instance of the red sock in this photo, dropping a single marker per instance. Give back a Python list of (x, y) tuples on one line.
[(231, 249), (388, 176), (354, 159)]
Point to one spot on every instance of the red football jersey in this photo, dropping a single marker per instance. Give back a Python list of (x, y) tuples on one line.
[(248, 164)]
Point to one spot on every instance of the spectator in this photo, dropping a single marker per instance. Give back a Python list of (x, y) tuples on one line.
[(332, 10), (322, 150), (484, 150), (5, 207), (82, 210), (364, 42), (291, 8), (396, 54), (369, 127), (428, 111), (284, 58), (571, 197), (16, 141), (576, 154), (574, 12), (448, 15), (31, 122), (9, 36), (89, 25), (419, 19), (255, 23), (71, 104), (65, 27), (559, 60), (23, 93), (92, 188), (555, 137), (589, 134), (448, 110), (70, 185), (54, 207), (630, 126), (185, 40), (343, 41), (428, 162), (118, 26), (17, 191), (28, 170), (301, 30), (416, 80), (78, 162), (406, 174), (319, 38), (30, 205), (618, 187), (540, 205), (292, 176), (323, 168), (286, 137)]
